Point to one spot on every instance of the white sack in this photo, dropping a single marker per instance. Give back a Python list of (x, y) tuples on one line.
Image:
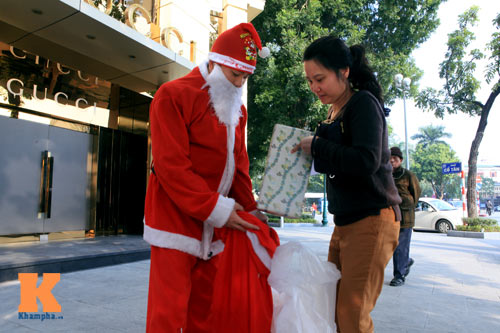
[(304, 291)]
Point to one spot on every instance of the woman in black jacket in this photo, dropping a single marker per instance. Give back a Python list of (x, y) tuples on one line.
[(351, 148)]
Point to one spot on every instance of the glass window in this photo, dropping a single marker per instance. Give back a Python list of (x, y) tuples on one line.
[(442, 205)]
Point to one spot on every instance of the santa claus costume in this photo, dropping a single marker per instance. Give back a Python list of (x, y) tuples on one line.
[(200, 169)]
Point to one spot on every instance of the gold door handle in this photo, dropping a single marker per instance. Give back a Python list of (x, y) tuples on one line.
[(46, 173)]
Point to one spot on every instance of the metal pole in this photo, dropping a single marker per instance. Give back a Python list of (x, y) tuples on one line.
[(406, 135), (325, 219)]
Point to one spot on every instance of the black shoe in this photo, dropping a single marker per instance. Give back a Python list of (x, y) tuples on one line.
[(410, 263), (397, 282)]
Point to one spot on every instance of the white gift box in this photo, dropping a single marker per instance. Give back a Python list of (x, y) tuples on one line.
[(286, 175)]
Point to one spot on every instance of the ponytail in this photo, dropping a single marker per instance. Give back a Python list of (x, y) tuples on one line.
[(361, 75)]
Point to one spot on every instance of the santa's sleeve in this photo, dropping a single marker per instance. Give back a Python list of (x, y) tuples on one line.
[(241, 189), (173, 167)]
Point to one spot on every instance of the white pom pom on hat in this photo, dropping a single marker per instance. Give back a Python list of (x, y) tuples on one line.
[(264, 52)]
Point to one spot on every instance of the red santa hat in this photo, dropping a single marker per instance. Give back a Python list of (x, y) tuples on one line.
[(237, 48)]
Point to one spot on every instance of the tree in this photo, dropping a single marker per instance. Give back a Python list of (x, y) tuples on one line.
[(460, 87), (427, 166), (431, 134), (278, 91), (427, 136), (453, 189), (395, 140), (114, 8), (487, 188), (316, 184), (426, 188)]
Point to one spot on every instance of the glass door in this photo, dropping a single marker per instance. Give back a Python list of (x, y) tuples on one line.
[(21, 147), (44, 183)]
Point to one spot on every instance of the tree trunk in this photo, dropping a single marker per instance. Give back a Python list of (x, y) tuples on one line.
[(441, 190), (434, 188), (474, 152), (471, 175)]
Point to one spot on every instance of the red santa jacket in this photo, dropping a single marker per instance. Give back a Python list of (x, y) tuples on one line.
[(200, 168)]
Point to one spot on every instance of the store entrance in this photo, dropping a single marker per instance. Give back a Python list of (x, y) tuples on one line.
[(121, 182), (44, 182)]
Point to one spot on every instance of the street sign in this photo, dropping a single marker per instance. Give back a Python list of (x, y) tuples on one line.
[(478, 186), (451, 167)]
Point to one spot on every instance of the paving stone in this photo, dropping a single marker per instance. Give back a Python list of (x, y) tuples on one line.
[(454, 286)]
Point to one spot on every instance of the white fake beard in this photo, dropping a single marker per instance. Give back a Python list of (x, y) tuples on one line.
[(224, 96)]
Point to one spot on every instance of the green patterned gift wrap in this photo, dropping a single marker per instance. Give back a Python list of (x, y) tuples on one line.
[(286, 175)]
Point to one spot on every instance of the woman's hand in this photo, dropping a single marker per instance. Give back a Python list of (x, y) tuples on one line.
[(261, 216), (304, 144), (236, 222)]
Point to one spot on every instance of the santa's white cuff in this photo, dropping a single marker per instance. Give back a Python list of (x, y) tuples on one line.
[(220, 213)]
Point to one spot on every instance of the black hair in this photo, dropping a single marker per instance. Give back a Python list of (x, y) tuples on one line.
[(333, 54)]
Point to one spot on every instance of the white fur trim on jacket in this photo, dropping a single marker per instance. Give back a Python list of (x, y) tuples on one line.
[(227, 177), (230, 62), (219, 215), (179, 242), (259, 250)]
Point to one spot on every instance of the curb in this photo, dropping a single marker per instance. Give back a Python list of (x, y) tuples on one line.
[(474, 234), (65, 265), (277, 225)]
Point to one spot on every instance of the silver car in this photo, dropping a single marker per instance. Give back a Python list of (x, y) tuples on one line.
[(435, 214)]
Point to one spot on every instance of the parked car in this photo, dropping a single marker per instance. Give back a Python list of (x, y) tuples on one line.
[(456, 203), (436, 214), (497, 208)]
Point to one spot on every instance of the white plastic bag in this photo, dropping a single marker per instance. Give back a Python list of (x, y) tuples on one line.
[(304, 291)]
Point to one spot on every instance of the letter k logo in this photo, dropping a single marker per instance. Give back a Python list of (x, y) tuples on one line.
[(29, 292)]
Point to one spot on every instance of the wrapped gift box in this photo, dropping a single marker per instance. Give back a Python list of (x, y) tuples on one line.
[(286, 175)]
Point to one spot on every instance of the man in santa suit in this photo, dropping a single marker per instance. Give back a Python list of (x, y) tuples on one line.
[(199, 181)]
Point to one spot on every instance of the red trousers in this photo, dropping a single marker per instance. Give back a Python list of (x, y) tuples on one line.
[(361, 251), (180, 292)]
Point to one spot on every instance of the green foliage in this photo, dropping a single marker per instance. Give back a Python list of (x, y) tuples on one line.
[(117, 8), (478, 228), (427, 136), (394, 140), (426, 187), (479, 221), (493, 68), (316, 184), (479, 224), (302, 219), (459, 90), (458, 93), (487, 188), (453, 189), (427, 165), (278, 91), (431, 134)]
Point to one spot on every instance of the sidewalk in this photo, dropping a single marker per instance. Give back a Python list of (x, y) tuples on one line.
[(62, 256), (454, 286)]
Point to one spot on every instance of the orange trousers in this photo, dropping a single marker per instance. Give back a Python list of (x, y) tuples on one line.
[(361, 251)]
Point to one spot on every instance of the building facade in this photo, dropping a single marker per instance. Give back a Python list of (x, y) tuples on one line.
[(76, 81), (487, 171)]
